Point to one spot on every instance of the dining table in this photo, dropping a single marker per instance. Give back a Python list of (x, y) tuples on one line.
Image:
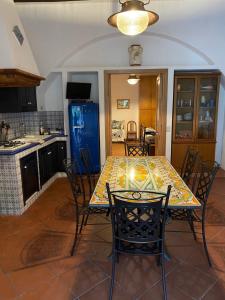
[(152, 173)]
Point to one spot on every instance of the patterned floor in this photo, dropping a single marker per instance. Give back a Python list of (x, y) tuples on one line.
[(35, 262)]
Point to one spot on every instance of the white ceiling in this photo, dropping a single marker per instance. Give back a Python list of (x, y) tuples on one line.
[(55, 29)]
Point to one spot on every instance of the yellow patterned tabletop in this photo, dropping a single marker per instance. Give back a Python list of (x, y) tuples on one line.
[(152, 173)]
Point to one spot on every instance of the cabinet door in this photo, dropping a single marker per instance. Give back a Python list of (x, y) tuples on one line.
[(178, 154), (52, 159), (29, 174), (207, 151), (47, 163), (207, 108), (28, 101), (9, 100), (61, 155), (44, 174), (184, 109)]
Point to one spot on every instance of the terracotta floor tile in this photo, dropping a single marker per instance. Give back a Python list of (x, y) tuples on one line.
[(136, 276), (156, 292), (61, 266), (217, 292), (86, 274), (30, 278), (106, 234), (83, 278), (218, 186), (53, 290), (101, 291), (7, 291), (190, 281)]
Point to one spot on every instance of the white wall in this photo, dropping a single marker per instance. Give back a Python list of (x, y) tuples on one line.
[(75, 36), (50, 93), (12, 54), (120, 89)]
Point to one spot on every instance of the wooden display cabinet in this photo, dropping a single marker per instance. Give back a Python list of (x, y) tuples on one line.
[(195, 114)]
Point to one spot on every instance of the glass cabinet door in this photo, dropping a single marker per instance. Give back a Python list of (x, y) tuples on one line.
[(207, 99), (184, 109)]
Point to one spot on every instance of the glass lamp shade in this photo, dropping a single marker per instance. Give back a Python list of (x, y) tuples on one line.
[(133, 79), (132, 22), (133, 19)]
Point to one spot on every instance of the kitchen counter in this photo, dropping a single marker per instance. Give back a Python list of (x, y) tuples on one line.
[(11, 187), (37, 141)]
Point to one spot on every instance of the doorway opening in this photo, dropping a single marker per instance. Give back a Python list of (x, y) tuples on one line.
[(135, 110)]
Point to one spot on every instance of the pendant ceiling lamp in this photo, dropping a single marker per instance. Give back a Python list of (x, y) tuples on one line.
[(133, 79), (133, 18)]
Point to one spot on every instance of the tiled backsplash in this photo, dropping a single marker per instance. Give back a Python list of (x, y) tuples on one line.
[(29, 122)]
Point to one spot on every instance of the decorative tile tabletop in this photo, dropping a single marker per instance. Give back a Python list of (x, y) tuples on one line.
[(152, 173)]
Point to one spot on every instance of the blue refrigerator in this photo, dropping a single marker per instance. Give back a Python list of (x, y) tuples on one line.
[(84, 132)]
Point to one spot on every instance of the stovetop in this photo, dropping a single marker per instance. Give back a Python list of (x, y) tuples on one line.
[(11, 144)]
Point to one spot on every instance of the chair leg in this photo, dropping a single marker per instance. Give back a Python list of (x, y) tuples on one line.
[(163, 276), (204, 242), (76, 236), (85, 223), (190, 221), (82, 224), (112, 275)]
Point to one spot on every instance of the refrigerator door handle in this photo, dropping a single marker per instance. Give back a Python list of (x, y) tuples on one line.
[(78, 127)]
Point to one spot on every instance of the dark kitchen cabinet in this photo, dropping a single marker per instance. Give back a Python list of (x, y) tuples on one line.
[(21, 99), (51, 160), (61, 155), (47, 162), (29, 175), (28, 99)]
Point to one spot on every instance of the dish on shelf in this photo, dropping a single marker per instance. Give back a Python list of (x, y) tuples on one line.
[(188, 116), (207, 87), (179, 118)]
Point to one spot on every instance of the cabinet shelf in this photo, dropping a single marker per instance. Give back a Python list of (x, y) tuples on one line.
[(185, 91)]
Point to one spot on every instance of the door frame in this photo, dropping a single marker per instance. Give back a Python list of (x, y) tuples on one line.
[(161, 113)]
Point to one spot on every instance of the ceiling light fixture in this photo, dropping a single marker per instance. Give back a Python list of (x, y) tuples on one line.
[(133, 79), (133, 19)]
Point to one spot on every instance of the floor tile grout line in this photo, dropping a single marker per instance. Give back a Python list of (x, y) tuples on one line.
[(155, 283), (202, 272), (210, 288), (93, 287)]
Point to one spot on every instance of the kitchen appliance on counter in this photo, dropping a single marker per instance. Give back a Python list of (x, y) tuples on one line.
[(11, 145), (84, 132)]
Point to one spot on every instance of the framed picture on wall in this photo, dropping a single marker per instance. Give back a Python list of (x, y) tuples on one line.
[(123, 103)]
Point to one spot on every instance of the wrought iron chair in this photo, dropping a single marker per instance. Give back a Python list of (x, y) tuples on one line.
[(85, 156), (81, 198), (189, 164), (88, 168), (81, 201), (203, 183), (138, 226), (137, 149)]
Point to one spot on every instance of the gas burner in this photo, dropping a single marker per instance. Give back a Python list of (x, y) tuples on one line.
[(12, 144)]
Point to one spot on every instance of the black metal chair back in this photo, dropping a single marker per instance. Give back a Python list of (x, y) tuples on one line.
[(189, 164), (85, 156), (76, 182), (136, 215), (138, 225), (137, 150), (204, 180)]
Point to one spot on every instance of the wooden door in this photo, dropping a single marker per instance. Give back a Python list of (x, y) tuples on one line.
[(148, 101)]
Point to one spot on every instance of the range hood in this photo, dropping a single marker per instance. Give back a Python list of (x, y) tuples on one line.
[(17, 64), (18, 78)]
